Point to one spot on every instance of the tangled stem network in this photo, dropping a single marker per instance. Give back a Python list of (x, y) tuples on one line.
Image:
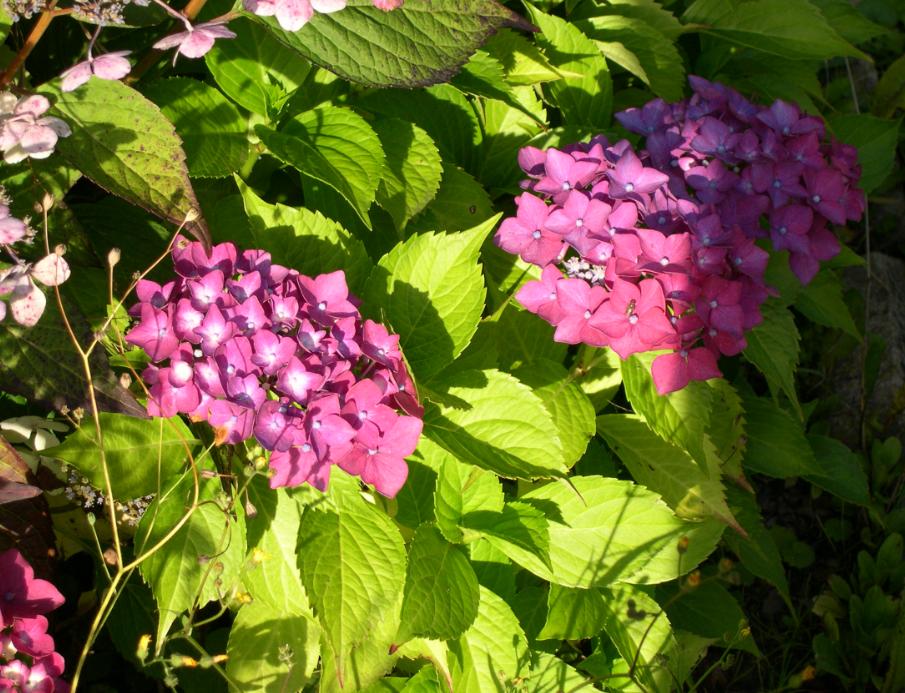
[(659, 249)]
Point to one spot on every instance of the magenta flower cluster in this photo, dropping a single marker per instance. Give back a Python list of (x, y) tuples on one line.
[(260, 350), (658, 250), (28, 657)]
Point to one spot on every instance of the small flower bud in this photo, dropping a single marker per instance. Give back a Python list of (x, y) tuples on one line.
[(141, 651), (46, 202), (113, 257)]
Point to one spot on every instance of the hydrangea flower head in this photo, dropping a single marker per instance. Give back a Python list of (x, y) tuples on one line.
[(257, 349), (656, 249)]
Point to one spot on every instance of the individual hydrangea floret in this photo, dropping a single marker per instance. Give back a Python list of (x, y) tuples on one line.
[(257, 349), (658, 249), (24, 129), (292, 15), (196, 40), (28, 661), (108, 66)]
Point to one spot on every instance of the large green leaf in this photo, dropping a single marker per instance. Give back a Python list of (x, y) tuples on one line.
[(680, 417), (585, 93), (522, 61), (213, 131), (271, 573), (642, 50), (413, 169), (271, 651), (431, 291), (689, 488), (571, 412), (773, 348), (441, 589), (335, 146), (461, 489), (254, 69), (303, 240), (41, 363), (522, 338), (757, 551), (352, 561), (492, 652), (606, 530), (709, 610), (876, 140), (821, 301), (520, 531), (461, 203), (776, 442), (142, 454), (202, 561), (122, 142), (890, 92), (490, 419), (841, 470), (573, 614), (793, 29), (643, 637), (418, 44)]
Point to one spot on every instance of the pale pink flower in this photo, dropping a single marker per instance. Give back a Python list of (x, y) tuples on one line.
[(196, 40), (292, 15), (51, 270), (24, 132), (387, 5), (107, 66)]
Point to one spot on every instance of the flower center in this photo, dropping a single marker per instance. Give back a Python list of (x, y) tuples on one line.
[(629, 187), (664, 261)]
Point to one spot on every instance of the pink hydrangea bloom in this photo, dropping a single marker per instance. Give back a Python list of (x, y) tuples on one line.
[(656, 249), (108, 66), (196, 40), (24, 129), (260, 350)]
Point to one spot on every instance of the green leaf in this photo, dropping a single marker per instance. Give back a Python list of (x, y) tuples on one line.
[(642, 50), (821, 301), (122, 142), (41, 363), (418, 44), (353, 566), (757, 552), (571, 412), (213, 131), (890, 92), (335, 146), (792, 29), (413, 169), (550, 674), (599, 374), (680, 417), (709, 610), (254, 69), (523, 338), (142, 454), (692, 490), (461, 489), (643, 637), (848, 21), (605, 530), (876, 140), (271, 651), (461, 203), (415, 500), (492, 652), (519, 531), (431, 291), (506, 129), (522, 61), (773, 349), (441, 589), (573, 614), (585, 93), (201, 561), (727, 427), (649, 12), (841, 470), (483, 76), (777, 445), (271, 573), (491, 420), (304, 240)]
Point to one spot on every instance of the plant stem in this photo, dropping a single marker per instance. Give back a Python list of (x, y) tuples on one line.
[(37, 31)]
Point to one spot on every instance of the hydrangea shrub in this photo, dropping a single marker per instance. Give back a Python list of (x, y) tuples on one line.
[(295, 410)]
